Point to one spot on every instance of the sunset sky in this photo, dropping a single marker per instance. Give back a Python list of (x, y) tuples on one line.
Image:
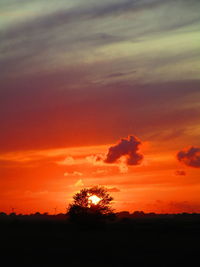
[(77, 77)]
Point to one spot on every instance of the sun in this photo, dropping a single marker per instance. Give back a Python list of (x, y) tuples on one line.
[(94, 200)]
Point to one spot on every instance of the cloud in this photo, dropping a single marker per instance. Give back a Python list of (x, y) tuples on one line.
[(190, 157), (16, 101), (123, 168), (49, 51), (95, 159), (75, 173), (66, 161), (126, 147), (100, 160), (180, 172), (45, 31), (79, 183), (113, 189)]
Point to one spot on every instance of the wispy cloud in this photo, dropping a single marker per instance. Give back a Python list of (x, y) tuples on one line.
[(113, 189), (66, 161), (74, 173), (79, 183), (47, 37)]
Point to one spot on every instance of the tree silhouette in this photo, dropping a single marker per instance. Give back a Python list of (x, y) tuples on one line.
[(90, 205)]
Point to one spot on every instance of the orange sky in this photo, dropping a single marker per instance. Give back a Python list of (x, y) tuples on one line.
[(78, 76), (42, 180)]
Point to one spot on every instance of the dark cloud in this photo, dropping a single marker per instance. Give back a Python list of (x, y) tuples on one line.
[(190, 157), (180, 173), (126, 147)]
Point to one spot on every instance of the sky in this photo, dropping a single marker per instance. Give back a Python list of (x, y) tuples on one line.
[(100, 93)]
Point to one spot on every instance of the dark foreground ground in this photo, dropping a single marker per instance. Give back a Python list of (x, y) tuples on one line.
[(146, 241)]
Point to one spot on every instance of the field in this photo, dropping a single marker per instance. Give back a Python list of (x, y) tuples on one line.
[(162, 240)]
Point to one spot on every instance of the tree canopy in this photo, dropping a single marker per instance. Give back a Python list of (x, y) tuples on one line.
[(91, 202)]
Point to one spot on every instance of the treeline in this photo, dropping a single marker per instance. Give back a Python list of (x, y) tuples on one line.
[(123, 215)]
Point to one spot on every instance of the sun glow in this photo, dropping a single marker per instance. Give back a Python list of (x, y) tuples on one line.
[(94, 200)]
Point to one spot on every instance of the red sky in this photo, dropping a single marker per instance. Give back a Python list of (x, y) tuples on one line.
[(76, 77)]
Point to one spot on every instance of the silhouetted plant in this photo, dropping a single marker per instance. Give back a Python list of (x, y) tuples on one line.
[(90, 205)]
